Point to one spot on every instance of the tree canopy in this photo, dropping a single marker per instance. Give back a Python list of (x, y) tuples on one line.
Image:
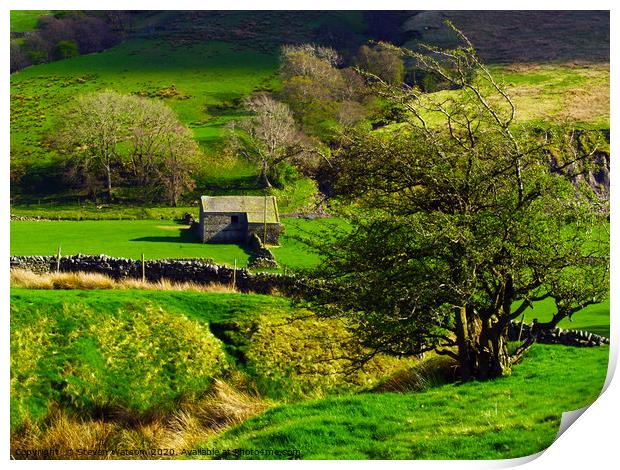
[(462, 222)]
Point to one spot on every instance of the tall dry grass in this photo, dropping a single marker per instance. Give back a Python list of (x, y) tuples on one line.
[(191, 424), (88, 281), (427, 373)]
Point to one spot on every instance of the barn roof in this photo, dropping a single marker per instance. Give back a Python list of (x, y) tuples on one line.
[(257, 208)]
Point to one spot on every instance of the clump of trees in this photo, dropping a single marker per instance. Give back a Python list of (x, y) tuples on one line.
[(463, 224), (124, 139), (382, 61), (61, 36), (320, 94)]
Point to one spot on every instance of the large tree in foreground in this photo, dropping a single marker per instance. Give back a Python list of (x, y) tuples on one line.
[(465, 224)]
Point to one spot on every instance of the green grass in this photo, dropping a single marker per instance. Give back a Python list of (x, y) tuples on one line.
[(204, 74), (505, 418), (86, 210), (294, 250), (119, 238), (26, 20), (198, 306), (577, 94), (137, 351), (159, 239), (593, 318)]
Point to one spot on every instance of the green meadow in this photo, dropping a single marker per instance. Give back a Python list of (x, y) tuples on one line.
[(506, 418), (127, 239), (160, 239), (130, 352), (25, 20), (127, 368), (191, 79)]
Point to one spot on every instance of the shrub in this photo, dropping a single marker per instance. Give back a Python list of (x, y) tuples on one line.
[(66, 50)]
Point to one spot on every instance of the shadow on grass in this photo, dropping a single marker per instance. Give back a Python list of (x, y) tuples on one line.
[(186, 235)]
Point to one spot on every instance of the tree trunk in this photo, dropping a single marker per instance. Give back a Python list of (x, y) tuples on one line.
[(482, 347), (263, 175), (109, 184), (464, 347)]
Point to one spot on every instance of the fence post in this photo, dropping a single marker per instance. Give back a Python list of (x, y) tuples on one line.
[(235, 275), (521, 328), (265, 222), (143, 269), (58, 259)]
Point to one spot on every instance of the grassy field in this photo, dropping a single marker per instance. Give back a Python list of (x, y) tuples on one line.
[(571, 93), (126, 239), (202, 82), (594, 318), (158, 239), (152, 348), (130, 357), (26, 20), (505, 418)]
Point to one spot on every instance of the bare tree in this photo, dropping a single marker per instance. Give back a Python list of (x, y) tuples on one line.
[(383, 62), (269, 136), (176, 162), (105, 132), (94, 129)]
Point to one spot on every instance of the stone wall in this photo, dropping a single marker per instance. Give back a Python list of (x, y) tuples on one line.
[(556, 336), (191, 270), (261, 257), (203, 272), (273, 232)]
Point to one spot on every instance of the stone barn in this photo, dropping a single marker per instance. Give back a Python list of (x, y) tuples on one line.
[(231, 219)]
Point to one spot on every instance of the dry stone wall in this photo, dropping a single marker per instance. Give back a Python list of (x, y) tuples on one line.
[(556, 336), (176, 270)]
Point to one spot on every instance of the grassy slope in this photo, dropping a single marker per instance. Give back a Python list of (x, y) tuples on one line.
[(576, 93), (505, 418), (594, 318), (25, 20), (205, 308), (572, 94), (137, 350), (203, 74), (127, 239)]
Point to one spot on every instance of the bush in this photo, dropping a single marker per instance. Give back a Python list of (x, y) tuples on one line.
[(283, 174), (66, 50)]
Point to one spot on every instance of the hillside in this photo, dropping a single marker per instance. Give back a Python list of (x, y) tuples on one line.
[(202, 64), (135, 369), (518, 36), (502, 419)]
